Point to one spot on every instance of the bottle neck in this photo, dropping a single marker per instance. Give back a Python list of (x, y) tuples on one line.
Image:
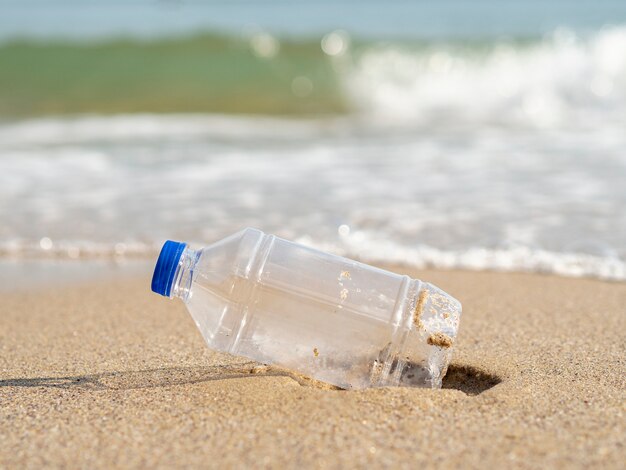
[(181, 285)]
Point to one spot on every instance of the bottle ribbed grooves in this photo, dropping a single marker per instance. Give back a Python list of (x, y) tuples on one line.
[(253, 273), (388, 368), (181, 284)]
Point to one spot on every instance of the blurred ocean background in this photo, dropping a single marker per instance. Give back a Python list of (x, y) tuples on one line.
[(457, 134)]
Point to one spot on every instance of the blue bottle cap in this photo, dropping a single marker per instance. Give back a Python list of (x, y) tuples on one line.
[(165, 268)]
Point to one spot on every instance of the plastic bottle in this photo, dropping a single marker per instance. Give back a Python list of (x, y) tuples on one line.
[(328, 317)]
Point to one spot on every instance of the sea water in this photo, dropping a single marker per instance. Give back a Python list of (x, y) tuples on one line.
[(445, 147)]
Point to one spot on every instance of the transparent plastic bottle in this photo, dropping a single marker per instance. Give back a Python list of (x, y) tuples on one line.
[(328, 317)]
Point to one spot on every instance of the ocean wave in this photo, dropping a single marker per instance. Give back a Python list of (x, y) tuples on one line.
[(561, 78)]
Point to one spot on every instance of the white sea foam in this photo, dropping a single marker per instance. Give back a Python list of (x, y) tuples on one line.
[(557, 191), (514, 259), (145, 127), (382, 252), (563, 79)]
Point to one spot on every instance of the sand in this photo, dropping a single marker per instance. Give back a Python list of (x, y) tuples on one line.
[(109, 374)]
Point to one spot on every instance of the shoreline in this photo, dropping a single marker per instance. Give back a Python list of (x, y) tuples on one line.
[(43, 273), (107, 373)]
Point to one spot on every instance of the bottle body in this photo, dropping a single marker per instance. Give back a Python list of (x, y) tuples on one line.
[(328, 317)]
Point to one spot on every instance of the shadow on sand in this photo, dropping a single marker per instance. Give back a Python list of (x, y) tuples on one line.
[(467, 379)]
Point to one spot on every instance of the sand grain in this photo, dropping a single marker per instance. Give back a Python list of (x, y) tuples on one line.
[(111, 375)]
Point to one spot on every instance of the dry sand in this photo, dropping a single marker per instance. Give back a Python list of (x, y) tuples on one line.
[(110, 375)]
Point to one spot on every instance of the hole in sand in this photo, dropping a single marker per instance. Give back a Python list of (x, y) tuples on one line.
[(469, 379)]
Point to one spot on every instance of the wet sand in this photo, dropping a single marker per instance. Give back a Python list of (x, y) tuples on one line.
[(108, 374)]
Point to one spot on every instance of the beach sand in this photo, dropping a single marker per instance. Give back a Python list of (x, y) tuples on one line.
[(110, 375)]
